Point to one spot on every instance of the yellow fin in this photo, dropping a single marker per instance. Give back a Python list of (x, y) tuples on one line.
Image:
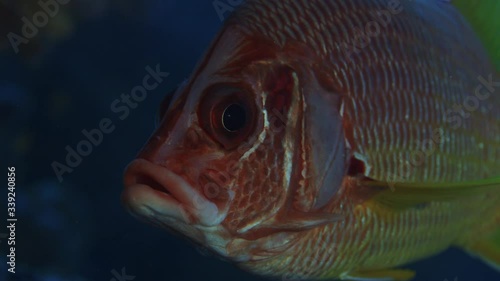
[(488, 250), (380, 275), (407, 195)]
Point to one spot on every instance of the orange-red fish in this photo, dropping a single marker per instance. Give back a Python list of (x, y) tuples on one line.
[(330, 139)]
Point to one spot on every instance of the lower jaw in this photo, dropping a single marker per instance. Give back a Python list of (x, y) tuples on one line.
[(148, 203)]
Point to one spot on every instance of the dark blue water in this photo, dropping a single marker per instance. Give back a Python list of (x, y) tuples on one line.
[(76, 229)]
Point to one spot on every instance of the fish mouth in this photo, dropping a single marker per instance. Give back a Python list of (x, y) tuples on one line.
[(153, 192)]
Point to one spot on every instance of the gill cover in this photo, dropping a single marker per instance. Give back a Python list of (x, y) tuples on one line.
[(324, 129)]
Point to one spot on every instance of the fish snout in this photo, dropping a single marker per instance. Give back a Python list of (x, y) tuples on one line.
[(153, 192)]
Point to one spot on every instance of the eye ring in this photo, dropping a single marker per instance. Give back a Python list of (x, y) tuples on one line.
[(228, 114)]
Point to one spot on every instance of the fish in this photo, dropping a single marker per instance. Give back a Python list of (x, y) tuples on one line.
[(320, 140)]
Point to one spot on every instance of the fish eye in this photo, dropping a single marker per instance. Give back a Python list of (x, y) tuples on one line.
[(227, 114), (234, 117)]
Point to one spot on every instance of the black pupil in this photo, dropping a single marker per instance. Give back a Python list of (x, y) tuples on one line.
[(234, 117)]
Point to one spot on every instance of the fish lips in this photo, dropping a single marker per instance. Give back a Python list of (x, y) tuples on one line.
[(153, 192)]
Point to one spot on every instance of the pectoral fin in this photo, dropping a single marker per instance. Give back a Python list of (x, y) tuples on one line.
[(408, 195), (380, 275)]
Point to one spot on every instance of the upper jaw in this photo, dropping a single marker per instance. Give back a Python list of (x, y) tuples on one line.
[(153, 192)]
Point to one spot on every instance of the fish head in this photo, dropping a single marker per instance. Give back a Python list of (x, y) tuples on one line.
[(229, 164)]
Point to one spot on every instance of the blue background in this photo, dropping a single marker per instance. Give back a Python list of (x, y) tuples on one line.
[(64, 81)]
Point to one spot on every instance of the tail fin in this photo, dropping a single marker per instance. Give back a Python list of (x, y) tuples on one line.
[(483, 16)]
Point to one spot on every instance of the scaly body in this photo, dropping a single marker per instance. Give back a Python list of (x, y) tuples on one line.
[(402, 89)]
